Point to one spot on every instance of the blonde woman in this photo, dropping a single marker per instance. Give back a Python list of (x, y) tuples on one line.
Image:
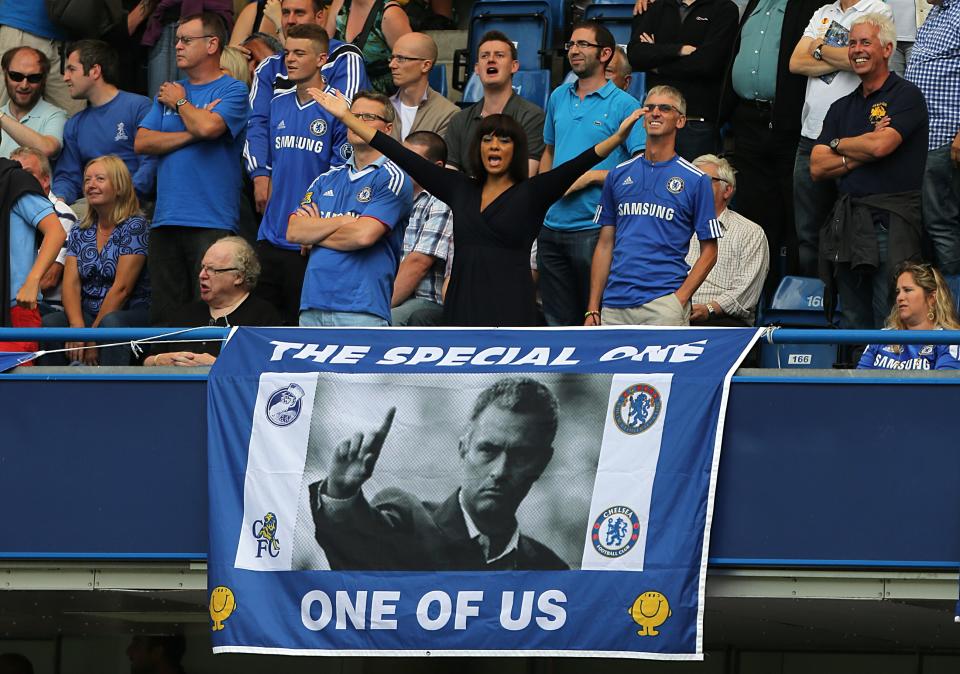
[(104, 280), (234, 62), (923, 302)]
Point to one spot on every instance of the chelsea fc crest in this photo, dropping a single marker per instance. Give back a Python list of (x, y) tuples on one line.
[(346, 151), (615, 532), (284, 404), (363, 196), (675, 185), (637, 408), (318, 127)]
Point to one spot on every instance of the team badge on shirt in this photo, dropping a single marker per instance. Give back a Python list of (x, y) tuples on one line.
[(615, 531), (121, 132), (364, 195), (307, 198), (675, 185), (927, 350), (637, 408), (283, 406), (877, 112), (318, 127), (346, 151)]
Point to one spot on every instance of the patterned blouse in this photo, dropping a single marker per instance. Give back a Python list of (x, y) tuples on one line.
[(98, 269), (376, 51)]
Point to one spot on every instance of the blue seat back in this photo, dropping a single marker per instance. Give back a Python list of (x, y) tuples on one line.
[(797, 303), (953, 282), (533, 85), (528, 23), (617, 17), (438, 79)]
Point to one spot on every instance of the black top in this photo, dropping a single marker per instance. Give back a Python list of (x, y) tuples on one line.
[(854, 114), (710, 26), (253, 311), (490, 284)]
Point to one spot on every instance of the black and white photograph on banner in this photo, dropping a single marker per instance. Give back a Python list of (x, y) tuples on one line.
[(454, 473)]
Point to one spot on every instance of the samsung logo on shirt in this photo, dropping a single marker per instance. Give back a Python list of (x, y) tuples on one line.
[(645, 208), (883, 362), (298, 143)]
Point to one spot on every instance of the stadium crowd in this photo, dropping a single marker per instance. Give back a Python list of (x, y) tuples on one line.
[(354, 194)]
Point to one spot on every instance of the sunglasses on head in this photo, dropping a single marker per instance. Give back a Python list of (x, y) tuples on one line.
[(35, 78)]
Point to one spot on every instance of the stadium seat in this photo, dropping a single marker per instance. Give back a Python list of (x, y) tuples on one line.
[(616, 15), (438, 79), (532, 85), (529, 23), (798, 303)]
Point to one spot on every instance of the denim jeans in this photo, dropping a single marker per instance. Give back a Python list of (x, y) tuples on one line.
[(115, 355), (812, 203), (865, 297), (320, 318), (941, 208), (563, 260), (162, 60)]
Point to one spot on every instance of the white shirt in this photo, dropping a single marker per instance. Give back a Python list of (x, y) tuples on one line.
[(822, 93), (474, 533), (67, 220)]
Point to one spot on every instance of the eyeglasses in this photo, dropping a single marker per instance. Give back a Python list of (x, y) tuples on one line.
[(662, 107), (580, 44), (399, 58), (213, 271), (187, 40), (33, 78), (718, 180), (370, 117)]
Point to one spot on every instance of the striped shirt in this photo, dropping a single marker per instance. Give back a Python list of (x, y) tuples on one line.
[(430, 232)]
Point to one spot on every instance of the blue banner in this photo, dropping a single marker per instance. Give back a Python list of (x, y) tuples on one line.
[(468, 492)]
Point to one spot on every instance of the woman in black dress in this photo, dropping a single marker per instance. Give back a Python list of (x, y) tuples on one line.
[(496, 215)]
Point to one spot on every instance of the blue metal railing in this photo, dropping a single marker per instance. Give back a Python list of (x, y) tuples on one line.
[(775, 336)]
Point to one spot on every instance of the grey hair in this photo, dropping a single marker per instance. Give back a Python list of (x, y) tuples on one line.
[(672, 92), (33, 152), (886, 31), (246, 261), (724, 170)]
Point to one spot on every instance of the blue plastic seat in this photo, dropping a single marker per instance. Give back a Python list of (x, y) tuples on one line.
[(438, 79), (533, 85), (797, 303), (529, 23), (617, 17)]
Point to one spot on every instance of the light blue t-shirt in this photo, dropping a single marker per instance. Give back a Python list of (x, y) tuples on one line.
[(656, 207), (572, 126), (29, 16), (359, 281), (45, 118), (305, 141), (25, 215), (199, 184)]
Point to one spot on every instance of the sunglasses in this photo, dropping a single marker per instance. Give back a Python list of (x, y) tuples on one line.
[(662, 107), (35, 78)]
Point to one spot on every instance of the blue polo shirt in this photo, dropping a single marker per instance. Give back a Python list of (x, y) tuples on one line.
[(31, 17), (656, 207), (359, 281), (25, 215), (572, 126)]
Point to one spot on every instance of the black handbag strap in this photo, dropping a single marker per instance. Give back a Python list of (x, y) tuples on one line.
[(361, 38), (258, 19)]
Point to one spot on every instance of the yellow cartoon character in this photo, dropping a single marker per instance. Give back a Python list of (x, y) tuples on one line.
[(650, 610), (877, 112), (222, 604)]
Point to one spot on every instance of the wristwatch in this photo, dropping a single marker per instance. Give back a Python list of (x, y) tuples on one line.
[(710, 310), (182, 101), (835, 145), (818, 53)]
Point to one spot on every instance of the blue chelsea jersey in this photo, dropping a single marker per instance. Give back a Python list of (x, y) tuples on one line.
[(305, 141), (910, 357), (655, 207), (360, 280)]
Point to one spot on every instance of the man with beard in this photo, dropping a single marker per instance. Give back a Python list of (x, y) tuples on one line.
[(26, 120)]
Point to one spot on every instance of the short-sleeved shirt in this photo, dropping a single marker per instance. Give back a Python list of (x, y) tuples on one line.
[(25, 215), (45, 118), (430, 232), (910, 357), (305, 141), (464, 124), (98, 269), (854, 114), (31, 17), (825, 89), (754, 75), (358, 281), (572, 126), (199, 184), (655, 207)]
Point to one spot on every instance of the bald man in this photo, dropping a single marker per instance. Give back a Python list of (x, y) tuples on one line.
[(419, 108)]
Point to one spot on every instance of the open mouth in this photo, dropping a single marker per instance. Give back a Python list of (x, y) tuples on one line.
[(492, 70), (494, 160)]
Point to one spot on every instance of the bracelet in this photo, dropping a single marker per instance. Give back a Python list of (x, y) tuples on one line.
[(843, 157), (596, 314)]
